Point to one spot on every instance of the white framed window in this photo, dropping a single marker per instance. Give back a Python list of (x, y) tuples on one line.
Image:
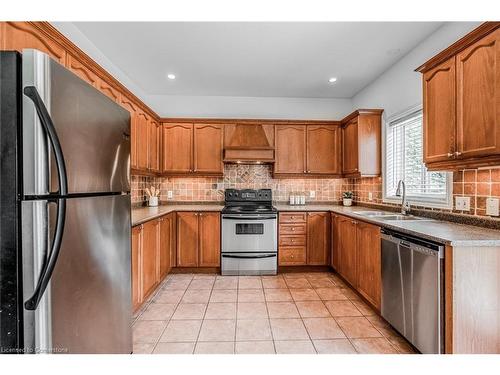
[(403, 160)]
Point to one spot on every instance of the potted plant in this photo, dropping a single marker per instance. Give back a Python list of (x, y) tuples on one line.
[(347, 198)]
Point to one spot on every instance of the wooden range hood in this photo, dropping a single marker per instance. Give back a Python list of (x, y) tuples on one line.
[(249, 143)]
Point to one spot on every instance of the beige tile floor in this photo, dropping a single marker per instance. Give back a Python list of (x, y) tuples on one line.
[(292, 313)]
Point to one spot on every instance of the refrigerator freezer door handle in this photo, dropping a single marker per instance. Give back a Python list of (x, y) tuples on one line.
[(48, 267), (32, 93)]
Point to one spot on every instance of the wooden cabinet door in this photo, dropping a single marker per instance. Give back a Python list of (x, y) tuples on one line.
[(290, 153), (335, 254), (149, 256), (154, 146), (347, 247), (350, 147), (132, 108), (369, 262), (478, 98), (187, 239), (165, 245), (209, 235), (439, 112), (177, 148), (323, 149), (136, 266), (143, 141), (208, 144), (318, 238)]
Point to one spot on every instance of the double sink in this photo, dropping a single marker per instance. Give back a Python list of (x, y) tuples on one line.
[(389, 216)]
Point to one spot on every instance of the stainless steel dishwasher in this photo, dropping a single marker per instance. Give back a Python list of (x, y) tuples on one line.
[(412, 289)]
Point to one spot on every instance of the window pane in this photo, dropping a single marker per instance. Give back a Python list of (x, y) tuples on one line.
[(404, 161)]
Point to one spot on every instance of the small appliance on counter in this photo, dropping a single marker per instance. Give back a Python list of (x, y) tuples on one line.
[(249, 233)]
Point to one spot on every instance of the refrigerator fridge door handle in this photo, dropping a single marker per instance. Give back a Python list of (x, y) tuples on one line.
[(48, 266), (47, 124)]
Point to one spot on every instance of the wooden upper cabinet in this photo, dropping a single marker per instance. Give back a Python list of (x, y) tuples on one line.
[(154, 146), (478, 98), (350, 147), (290, 149), (136, 266), (461, 88), (209, 237), (19, 35), (323, 149), (143, 144), (369, 262), (318, 238), (361, 143), (149, 256), (110, 91), (187, 239), (208, 148), (177, 148), (439, 112), (82, 71), (347, 248), (132, 108)]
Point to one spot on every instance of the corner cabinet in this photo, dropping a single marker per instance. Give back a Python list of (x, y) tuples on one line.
[(194, 149), (198, 239), (461, 88), (361, 143), (307, 150)]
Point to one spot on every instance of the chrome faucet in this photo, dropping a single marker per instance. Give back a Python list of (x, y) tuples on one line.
[(405, 206)]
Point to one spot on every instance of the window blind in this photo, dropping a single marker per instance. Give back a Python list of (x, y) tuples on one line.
[(404, 161)]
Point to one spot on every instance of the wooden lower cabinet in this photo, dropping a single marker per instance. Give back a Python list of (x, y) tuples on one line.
[(304, 239), (318, 238), (198, 239), (369, 262), (347, 249), (152, 244), (356, 252), (136, 266), (335, 256)]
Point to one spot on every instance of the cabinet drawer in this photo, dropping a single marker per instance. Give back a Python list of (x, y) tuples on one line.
[(292, 240), (293, 217), (292, 256), (292, 229)]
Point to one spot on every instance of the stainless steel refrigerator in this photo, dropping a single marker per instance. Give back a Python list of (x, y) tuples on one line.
[(65, 269)]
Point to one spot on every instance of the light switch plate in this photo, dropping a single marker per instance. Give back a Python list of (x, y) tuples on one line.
[(492, 206), (312, 194), (220, 186), (370, 196), (462, 203), (170, 194)]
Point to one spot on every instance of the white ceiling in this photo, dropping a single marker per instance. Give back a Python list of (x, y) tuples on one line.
[(292, 59)]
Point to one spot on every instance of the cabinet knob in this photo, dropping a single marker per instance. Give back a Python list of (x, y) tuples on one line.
[(450, 154), (354, 222), (293, 229), (458, 153)]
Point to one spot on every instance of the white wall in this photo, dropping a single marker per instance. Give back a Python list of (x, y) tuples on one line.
[(250, 107), (400, 87)]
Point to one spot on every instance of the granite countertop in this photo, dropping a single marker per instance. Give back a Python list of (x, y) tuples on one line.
[(142, 214), (435, 230)]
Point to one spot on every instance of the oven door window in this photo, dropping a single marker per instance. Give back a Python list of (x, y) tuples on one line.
[(249, 228)]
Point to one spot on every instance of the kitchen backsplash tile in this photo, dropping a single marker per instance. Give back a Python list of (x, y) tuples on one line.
[(236, 176)]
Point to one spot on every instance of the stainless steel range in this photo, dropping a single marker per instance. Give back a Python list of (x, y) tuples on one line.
[(249, 233)]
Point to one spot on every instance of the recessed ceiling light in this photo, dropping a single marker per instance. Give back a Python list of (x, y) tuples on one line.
[(332, 80), (171, 76)]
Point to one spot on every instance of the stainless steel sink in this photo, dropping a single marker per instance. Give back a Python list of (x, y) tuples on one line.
[(401, 217), (374, 213)]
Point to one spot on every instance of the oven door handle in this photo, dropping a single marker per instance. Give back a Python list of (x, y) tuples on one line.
[(249, 218), (248, 257)]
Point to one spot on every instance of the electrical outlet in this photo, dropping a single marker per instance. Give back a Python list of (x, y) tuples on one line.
[(312, 194), (170, 194), (370, 196), (492, 206), (220, 185), (462, 203)]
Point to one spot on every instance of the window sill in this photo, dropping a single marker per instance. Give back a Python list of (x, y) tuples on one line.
[(424, 204)]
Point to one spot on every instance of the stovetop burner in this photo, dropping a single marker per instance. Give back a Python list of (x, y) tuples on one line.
[(248, 201)]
